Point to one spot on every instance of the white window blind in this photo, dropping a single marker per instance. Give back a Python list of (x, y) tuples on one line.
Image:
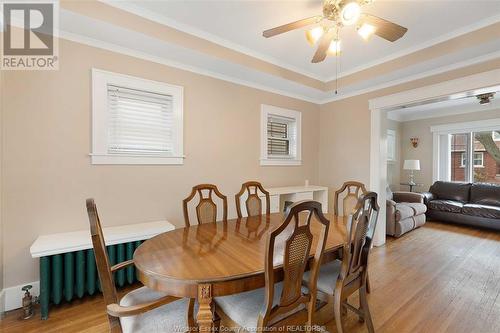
[(278, 140), (140, 122), (280, 136)]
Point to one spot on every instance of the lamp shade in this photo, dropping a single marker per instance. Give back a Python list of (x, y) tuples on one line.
[(411, 165)]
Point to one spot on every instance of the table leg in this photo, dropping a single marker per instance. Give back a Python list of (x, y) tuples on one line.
[(205, 314)]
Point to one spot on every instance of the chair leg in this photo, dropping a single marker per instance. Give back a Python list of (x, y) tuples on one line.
[(337, 311), (193, 327), (217, 321), (368, 287), (366, 310)]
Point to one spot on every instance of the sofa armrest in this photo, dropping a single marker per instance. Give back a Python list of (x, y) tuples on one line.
[(428, 196), (390, 203), (408, 197)]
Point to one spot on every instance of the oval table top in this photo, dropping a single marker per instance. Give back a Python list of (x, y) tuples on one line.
[(229, 254)]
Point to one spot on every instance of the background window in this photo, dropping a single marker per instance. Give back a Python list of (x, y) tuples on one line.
[(280, 136), (478, 159), (135, 121), (391, 145)]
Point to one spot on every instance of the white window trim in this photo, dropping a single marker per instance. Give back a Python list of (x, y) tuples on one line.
[(482, 159), (265, 160), (466, 127), (100, 155), (462, 157)]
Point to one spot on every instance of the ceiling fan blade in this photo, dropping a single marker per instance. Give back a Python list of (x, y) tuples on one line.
[(291, 26), (324, 44), (385, 29)]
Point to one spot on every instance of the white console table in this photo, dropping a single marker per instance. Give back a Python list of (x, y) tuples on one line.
[(279, 195)]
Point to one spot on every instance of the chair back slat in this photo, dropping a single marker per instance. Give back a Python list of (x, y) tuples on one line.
[(253, 203), (360, 228), (296, 254), (206, 209), (102, 261), (353, 191)]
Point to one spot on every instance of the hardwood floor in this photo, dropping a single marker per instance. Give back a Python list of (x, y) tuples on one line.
[(439, 278)]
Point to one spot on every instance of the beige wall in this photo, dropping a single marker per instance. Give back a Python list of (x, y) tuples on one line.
[(345, 129), (422, 129), (47, 173)]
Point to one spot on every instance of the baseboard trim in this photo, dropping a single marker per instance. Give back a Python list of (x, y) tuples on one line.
[(2, 303), (13, 296)]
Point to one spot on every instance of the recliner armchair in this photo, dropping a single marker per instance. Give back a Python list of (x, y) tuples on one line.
[(405, 212)]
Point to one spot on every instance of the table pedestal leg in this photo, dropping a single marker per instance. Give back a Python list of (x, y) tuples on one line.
[(205, 314)]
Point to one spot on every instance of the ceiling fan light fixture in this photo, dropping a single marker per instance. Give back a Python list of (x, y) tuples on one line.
[(334, 48), (350, 13), (314, 34), (366, 31)]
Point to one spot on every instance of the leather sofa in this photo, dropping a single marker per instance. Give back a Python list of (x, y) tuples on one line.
[(405, 212), (476, 204)]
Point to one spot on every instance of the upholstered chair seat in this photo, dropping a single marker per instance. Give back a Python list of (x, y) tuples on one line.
[(328, 275), (244, 308), (171, 317)]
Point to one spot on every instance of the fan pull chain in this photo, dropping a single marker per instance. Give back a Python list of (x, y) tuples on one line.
[(337, 64)]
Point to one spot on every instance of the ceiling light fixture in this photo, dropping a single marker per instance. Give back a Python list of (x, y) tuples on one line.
[(314, 34), (350, 13), (485, 99), (366, 31)]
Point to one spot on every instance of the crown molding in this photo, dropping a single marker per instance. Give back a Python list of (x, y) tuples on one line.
[(161, 19), (163, 61), (439, 70), (440, 39), (320, 101)]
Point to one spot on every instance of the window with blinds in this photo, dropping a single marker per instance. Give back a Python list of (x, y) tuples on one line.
[(135, 120), (140, 122), (280, 136)]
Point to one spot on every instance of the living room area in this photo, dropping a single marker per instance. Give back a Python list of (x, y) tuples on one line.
[(443, 163)]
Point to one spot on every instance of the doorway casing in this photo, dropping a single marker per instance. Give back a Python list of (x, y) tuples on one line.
[(477, 83)]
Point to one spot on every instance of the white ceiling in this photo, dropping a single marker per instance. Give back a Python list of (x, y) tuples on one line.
[(239, 25)]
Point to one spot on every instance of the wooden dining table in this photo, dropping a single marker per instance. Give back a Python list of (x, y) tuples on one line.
[(217, 259)]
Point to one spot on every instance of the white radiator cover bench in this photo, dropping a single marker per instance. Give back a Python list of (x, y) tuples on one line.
[(67, 264)]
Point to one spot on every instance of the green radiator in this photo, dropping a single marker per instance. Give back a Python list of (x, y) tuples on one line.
[(66, 276)]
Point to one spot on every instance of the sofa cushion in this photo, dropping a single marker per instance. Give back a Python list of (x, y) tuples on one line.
[(485, 194), (446, 206), (403, 211), (418, 208), (454, 191), (490, 212)]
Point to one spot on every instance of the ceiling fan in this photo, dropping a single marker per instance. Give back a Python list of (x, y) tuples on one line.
[(336, 15)]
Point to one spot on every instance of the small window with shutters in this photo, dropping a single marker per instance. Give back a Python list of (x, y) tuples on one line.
[(135, 121), (280, 136)]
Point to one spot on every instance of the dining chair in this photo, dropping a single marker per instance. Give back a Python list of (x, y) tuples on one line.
[(340, 279), (142, 309), (284, 303), (206, 209), (353, 191), (253, 202)]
